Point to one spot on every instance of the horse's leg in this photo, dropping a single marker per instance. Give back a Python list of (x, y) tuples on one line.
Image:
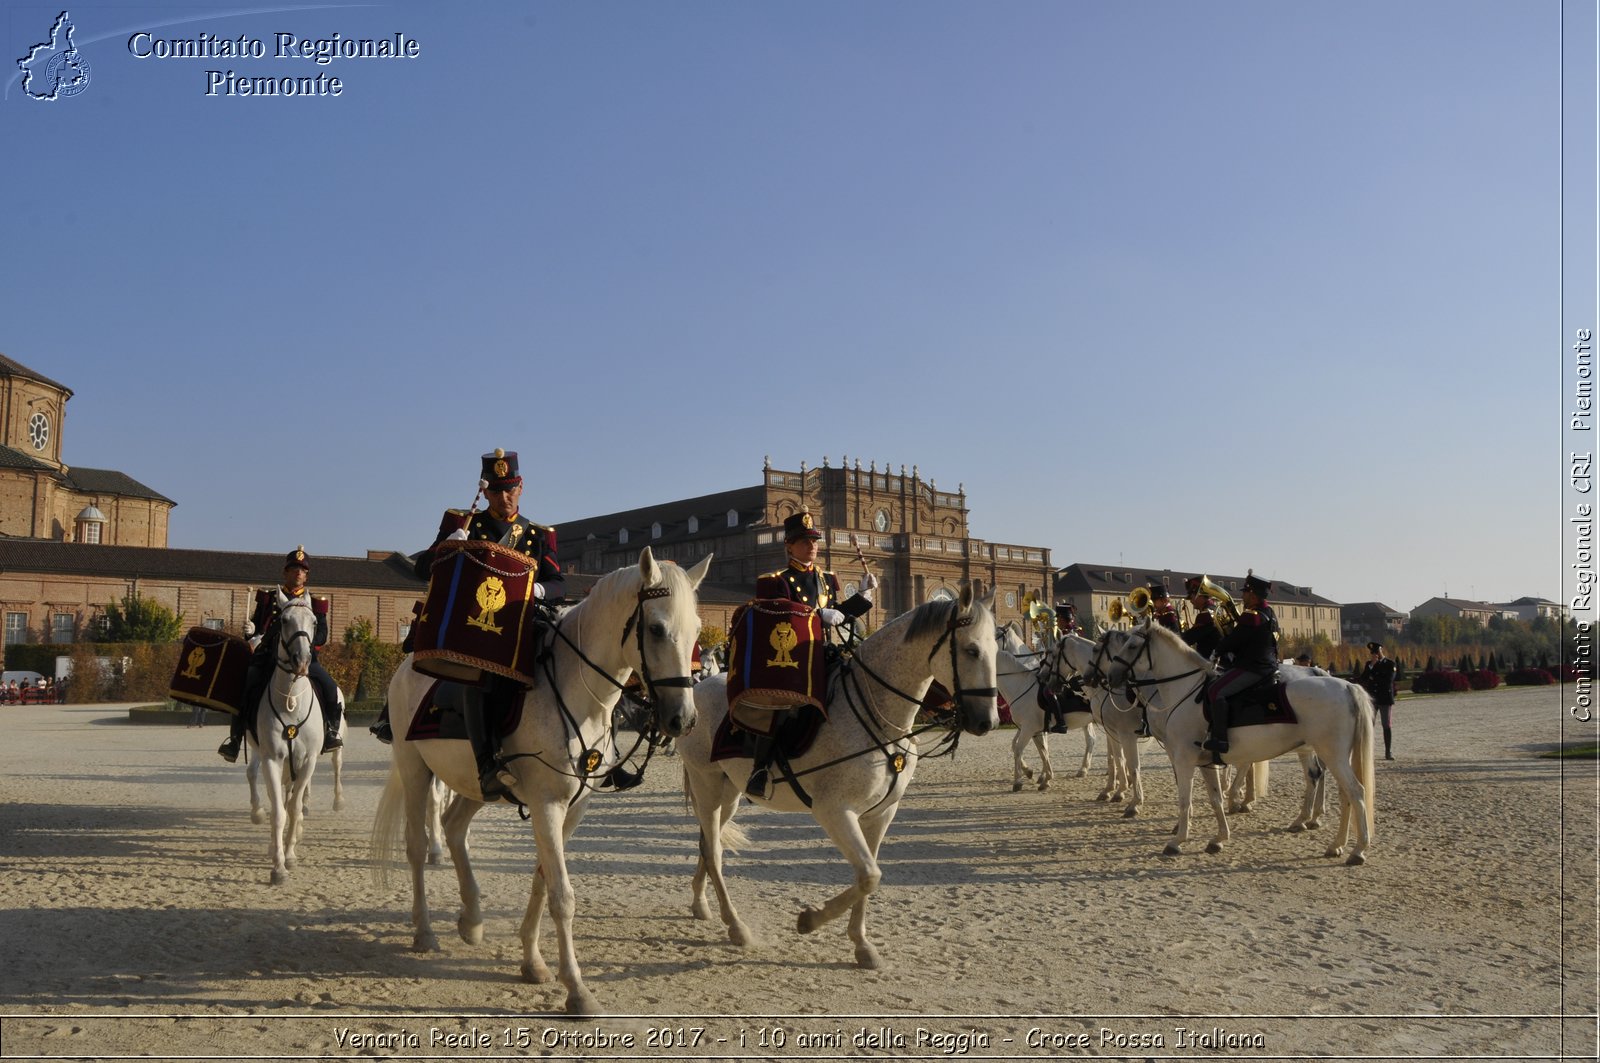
[(1353, 768), (549, 832), (534, 969), (1183, 772), (416, 777), (1113, 766), (714, 799), (438, 797), (1088, 749), (457, 822), (1311, 794), (338, 779), (1135, 782), (1047, 771), (1213, 780), (873, 828), (251, 770), (1019, 770), (272, 779), (1238, 790), (844, 827)]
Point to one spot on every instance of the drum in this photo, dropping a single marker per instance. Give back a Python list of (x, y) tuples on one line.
[(479, 615), (775, 658), (211, 670)]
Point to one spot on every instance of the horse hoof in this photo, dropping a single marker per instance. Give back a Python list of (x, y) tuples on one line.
[(1044, 784), (257, 816), (739, 934), (1333, 850), (699, 909), (1296, 828), (278, 877), (1172, 850), (809, 920), (1356, 860), (1130, 812), (582, 1003), (1102, 797), (867, 958), (1079, 774), (1214, 848), (535, 974), (425, 943), (338, 804), (1016, 787), (471, 933)]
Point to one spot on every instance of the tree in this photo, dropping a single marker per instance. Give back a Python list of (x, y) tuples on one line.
[(136, 619)]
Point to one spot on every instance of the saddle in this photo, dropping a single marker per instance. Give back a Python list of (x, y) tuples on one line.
[(1266, 702), (439, 715), (794, 735)]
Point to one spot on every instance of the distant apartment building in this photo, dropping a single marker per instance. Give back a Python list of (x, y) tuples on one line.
[(1092, 589), (1364, 622)]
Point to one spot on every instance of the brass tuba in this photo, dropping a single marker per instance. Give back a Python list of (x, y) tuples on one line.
[(1136, 608), (1230, 610)]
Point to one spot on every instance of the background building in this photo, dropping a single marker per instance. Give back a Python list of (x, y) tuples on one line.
[(41, 497), (1365, 622), (912, 535), (1092, 588)]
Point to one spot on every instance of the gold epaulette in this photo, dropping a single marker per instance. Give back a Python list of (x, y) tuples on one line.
[(773, 574), (458, 512)]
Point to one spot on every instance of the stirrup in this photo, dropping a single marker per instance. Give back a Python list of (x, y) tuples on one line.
[(382, 732), (1215, 745), (229, 750), (331, 741), (760, 783), (620, 778)]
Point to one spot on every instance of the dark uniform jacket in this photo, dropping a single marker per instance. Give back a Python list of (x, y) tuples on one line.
[(1168, 618), (265, 620), (810, 586), (1253, 642), (535, 541), (1378, 679), (1203, 634)]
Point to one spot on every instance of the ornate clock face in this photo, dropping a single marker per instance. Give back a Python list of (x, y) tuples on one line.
[(39, 430), (881, 521)]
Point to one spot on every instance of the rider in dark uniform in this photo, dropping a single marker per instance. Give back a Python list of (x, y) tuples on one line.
[(1204, 634), (264, 622), (1161, 607), (802, 581), (1071, 697), (1249, 654), (502, 522)]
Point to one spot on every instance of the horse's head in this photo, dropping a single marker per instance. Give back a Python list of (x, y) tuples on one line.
[(964, 658), (1072, 656), (658, 641), (297, 628), (1122, 649)]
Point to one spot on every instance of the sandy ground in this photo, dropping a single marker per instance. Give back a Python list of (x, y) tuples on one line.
[(136, 919)]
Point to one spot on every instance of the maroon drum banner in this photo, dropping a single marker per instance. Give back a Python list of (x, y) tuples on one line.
[(775, 658), (479, 615), (211, 670)]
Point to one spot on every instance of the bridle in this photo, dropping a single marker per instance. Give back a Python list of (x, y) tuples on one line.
[(1144, 649), (283, 661)]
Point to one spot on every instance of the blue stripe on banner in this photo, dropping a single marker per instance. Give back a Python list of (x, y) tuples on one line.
[(749, 642), (450, 600)]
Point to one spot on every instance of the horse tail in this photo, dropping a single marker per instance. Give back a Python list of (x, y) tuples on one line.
[(384, 849), (1363, 751)]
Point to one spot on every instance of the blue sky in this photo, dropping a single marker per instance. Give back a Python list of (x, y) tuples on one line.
[(1201, 286)]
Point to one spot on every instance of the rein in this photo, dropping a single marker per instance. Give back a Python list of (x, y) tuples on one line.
[(1149, 655)]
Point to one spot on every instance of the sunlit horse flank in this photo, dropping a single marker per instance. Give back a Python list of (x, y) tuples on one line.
[(638, 619), (287, 734), (1334, 719), (849, 770), (1018, 669)]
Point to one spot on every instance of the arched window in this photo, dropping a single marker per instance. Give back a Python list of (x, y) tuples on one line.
[(694, 525), (733, 518), (622, 537), (655, 530)]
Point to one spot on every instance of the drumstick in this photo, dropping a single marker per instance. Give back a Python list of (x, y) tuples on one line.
[(859, 559)]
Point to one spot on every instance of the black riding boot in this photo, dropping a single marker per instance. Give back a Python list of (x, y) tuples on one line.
[(229, 749), (482, 749), (760, 784), (1218, 742), (332, 716), (1388, 744), (381, 730)]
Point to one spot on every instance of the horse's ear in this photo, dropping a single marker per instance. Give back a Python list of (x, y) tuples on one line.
[(964, 602), (988, 603), (698, 572), (648, 568)]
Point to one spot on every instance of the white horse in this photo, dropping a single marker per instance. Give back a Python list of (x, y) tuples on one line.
[(1334, 719), (861, 763), (252, 769), (1074, 655), (287, 733), (1018, 672), (638, 619)]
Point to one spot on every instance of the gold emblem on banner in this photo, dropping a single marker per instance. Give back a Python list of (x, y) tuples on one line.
[(783, 640), (197, 657), (491, 599)]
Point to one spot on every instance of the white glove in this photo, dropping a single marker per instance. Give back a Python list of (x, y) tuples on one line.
[(538, 591), (868, 581), (459, 533), (831, 617)]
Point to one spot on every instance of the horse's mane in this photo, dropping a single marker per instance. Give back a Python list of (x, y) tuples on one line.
[(928, 618), (1171, 636)]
